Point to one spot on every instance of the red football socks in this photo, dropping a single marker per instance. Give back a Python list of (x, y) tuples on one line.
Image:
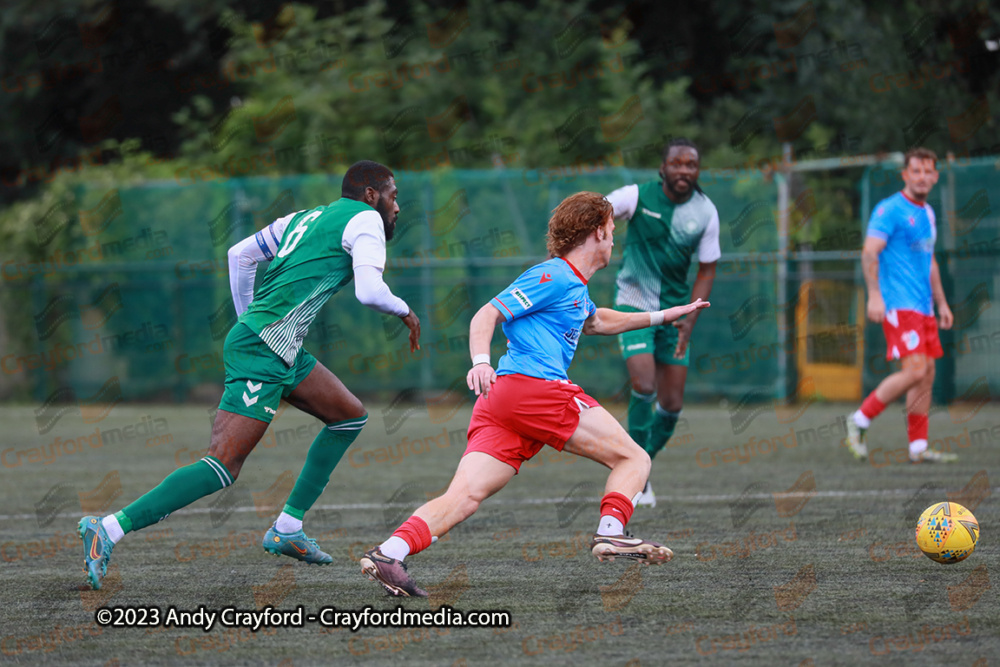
[(916, 427), (872, 407), (616, 505), (415, 533)]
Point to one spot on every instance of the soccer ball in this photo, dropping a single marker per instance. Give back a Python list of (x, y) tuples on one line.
[(947, 532)]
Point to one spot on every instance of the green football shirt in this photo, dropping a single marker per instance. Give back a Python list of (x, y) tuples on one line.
[(661, 240), (312, 264)]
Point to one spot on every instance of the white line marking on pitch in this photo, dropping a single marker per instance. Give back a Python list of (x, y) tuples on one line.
[(728, 497)]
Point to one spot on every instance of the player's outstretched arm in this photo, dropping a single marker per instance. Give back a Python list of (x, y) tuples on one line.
[(482, 376), (608, 322)]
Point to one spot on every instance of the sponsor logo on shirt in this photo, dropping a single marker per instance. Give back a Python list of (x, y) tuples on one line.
[(546, 277), (652, 214), (572, 335), (521, 298)]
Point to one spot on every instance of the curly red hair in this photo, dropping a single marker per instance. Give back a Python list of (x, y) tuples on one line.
[(577, 217)]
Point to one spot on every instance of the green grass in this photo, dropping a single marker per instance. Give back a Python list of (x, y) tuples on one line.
[(523, 552)]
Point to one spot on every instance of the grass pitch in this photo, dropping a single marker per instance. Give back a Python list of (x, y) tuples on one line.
[(787, 551)]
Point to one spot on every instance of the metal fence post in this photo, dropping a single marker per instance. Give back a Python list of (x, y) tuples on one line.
[(781, 388)]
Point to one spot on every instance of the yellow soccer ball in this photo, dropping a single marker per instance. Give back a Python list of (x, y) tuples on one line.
[(947, 532)]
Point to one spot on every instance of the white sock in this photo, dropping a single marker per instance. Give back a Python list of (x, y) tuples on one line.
[(917, 447), (610, 526), (112, 528), (861, 420), (395, 547), (287, 524)]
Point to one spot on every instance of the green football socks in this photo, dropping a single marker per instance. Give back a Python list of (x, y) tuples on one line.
[(640, 416), (178, 489), (664, 423), (324, 454)]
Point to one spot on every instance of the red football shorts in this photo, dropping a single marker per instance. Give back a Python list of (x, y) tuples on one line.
[(522, 414), (909, 332)]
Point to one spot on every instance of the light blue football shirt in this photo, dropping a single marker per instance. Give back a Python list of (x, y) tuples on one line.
[(544, 311)]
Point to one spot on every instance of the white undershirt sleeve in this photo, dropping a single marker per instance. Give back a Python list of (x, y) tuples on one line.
[(708, 247), (374, 293), (624, 200), (244, 257), (364, 239)]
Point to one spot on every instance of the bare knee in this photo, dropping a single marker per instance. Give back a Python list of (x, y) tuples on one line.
[(634, 456), (352, 410), (643, 386), (233, 462), (356, 410), (671, 402), (643, 461), (915, 375)]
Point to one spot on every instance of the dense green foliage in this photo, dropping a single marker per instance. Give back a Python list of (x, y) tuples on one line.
[(109, 102)]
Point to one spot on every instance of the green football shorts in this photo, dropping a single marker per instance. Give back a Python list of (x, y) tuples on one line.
[(660, 341), (256, 378)]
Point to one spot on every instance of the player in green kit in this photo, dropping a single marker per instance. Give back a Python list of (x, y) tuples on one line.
[(314, 254), (668, 222)]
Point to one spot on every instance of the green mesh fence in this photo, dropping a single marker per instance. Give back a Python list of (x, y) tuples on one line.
[(135, 285)]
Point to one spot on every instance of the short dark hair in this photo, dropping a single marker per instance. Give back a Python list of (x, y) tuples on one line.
[(680, 141), (362, 175), (919, 153)]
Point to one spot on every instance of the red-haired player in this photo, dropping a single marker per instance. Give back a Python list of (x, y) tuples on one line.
[(529, 402)]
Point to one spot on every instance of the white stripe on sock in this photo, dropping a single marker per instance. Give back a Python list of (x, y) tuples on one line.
[(220, 471), (222, 468), (349, 426)]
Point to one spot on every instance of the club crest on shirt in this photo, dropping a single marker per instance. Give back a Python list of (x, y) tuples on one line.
[(521, 298)]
